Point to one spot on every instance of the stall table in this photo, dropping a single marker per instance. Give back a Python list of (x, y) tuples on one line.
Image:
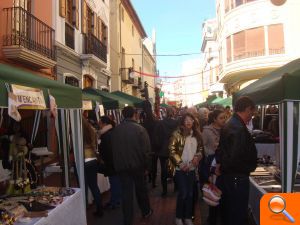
[(70, 212)]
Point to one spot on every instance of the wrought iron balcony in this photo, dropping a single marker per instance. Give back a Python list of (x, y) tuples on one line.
[(27, 38), (94, 46), (69, 36)]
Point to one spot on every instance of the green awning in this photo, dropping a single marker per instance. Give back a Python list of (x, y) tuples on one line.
[(92, 97), (210, 101), (109, 100), (137, 102), (66, 96), (279, 85), (164, 105), (225, 102), (216, 101)]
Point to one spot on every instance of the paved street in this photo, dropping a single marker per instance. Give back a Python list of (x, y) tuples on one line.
[(164, 211)]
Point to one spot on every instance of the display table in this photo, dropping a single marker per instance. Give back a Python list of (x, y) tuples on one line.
[(70, 212), (255, 194), (270, 149)]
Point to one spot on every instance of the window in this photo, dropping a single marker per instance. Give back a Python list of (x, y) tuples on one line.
[(228, 48), (132, 30), (255, 42), (276, 39), (238, 3), (72, 81), (239, 45), (122, 14), (227, 5), (132, 63), (87, 81), (69, 17), (104, 34)]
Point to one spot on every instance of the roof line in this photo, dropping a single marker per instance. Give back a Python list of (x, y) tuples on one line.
[(134, 16)]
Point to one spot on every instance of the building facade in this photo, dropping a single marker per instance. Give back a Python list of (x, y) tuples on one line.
[(210, 61), (28, 36), (254, 38), (191, 84), (82, 40), (127, 49)]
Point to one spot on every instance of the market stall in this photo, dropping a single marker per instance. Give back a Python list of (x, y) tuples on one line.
[(65, 103), (93, 103), (279, 87)]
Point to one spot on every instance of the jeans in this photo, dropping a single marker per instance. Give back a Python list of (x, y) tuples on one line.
[(90, 175), (115, 190), (130, 181), (235, 199), (185, 183), (164, 173)]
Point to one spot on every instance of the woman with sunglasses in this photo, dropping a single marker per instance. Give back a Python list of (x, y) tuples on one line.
[(186, 151)]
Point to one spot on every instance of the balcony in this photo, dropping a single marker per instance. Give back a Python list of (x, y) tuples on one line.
[(95, 47), (27, 39), (125, 76), (69, 36)]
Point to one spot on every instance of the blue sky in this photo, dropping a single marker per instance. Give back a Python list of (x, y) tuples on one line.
[(178, 28)]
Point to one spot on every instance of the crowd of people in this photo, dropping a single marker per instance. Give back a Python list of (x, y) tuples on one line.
[(195, 147)]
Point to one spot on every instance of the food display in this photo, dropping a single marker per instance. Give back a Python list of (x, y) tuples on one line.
[(37, 203)]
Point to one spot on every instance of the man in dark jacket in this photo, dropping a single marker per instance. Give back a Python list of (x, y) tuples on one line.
[(237, 156), (163, 132), (131, 155)]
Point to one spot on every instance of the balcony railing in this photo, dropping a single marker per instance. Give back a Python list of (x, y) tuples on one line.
[(249, 54), (21, 28), (94, 46), (274, 51), (69, 35)]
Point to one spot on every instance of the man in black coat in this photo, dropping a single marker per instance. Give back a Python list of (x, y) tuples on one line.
[(237, 156), (131, 155), (163, 132)]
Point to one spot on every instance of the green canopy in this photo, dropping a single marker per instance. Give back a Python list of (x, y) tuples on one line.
[(137, 102), (210, 101), (282, 87), (92, 97), (164, 105), (66, 96), (216, 101), (279, 85), (225, 102), (109, 100)]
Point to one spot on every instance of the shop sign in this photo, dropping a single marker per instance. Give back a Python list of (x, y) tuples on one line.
[(28, 97), (87, 105)]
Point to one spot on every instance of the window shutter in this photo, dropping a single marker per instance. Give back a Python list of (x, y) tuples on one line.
[(84, 18), (62, 8), (99, 28), (94, 23), (77, 14)]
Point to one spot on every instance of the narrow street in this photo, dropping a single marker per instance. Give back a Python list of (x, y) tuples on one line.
[(164, 211)]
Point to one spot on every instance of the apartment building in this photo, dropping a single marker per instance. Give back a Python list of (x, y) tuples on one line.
[(28, 36), (210, 62), (254, 38), (127, 49), (82, 40)]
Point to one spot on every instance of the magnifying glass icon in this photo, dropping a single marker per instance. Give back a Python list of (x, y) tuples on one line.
[(277, 205)]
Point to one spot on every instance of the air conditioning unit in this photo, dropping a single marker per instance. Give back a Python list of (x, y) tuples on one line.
[(125, 77)]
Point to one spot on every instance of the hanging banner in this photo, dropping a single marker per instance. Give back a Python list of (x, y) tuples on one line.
[(28, 97), (87, 105), (97, 111), (102, 113), (53, 106), (13, 107)]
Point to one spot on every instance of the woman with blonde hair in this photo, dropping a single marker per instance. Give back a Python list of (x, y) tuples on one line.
[(186, 151)]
